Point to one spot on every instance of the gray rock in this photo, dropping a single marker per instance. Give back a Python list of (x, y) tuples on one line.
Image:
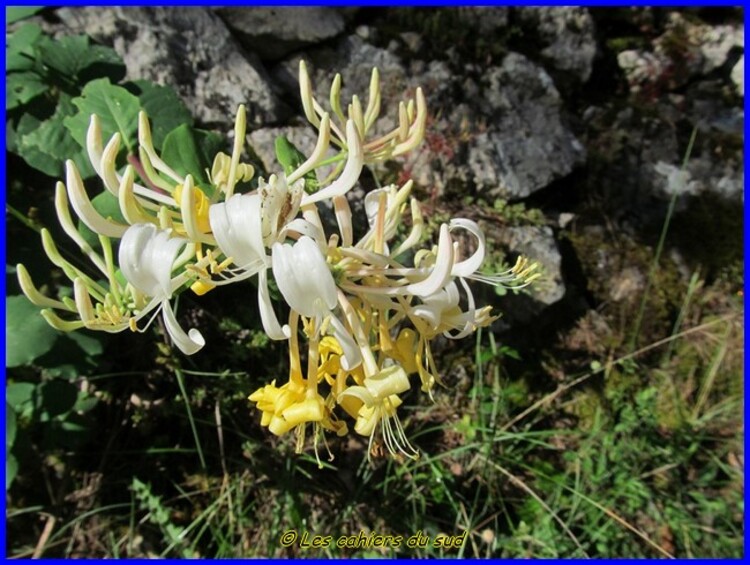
[(502, 133), (685, 51), (738, 76), (567, 34), (704, 47), (274, 32), (526, 145), (189, 49), (538, 244)]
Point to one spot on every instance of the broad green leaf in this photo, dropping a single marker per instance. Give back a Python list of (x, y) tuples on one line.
[(290, 158), (10, 427), (19, 50), (191, 151), (164, 108), (73, 61), (117, 110), (20, 88), (27, 335), (11, 470), (49, 144), (108, 206), (17, 13), (22, 397)]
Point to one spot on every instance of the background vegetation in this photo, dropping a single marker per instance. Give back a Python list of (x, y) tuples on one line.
[(618, 433)]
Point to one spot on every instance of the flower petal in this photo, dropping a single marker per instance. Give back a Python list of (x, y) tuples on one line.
[(303, 277), (350, 175), (441, 272), (351, 357), (469, 266), (236, 225), (85, 210), (267, 315), (146, 256), (188, 343)]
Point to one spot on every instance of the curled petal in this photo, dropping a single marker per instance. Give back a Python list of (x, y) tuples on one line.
[(441, 272), (360, 393), (391, 380), (188, 343), (469, 266)]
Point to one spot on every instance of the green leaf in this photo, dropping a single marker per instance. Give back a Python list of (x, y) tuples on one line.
[(17, 13), (70, 357), (164, 108), (191, 151), (19, 50), (91, 345), (291, 158), (73, 61), (10, 427), (117, 110), (108, 206), (85, 402), (21, 88), (27, 334), (22, 398), (11, 470), (46, 145)]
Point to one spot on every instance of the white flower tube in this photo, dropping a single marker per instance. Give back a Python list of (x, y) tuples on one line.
[(236, 225), (85, 209), (303, 277), (350, 175), (146, 256)]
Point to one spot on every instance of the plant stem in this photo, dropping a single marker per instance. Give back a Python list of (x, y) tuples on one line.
[(659, 248)]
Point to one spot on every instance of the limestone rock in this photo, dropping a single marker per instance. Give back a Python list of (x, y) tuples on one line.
[(276, 31), (567, 34), (526, 145), (189, 49)]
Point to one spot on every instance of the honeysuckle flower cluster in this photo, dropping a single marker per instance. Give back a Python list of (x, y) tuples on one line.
[(362, 312)]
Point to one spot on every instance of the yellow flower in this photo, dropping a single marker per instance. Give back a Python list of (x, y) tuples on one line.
[(284, 408), (379, 397)]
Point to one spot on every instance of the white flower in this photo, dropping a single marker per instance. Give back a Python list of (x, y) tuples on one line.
[(237, 227), (303, 277), (307, 285), (146, 257)]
